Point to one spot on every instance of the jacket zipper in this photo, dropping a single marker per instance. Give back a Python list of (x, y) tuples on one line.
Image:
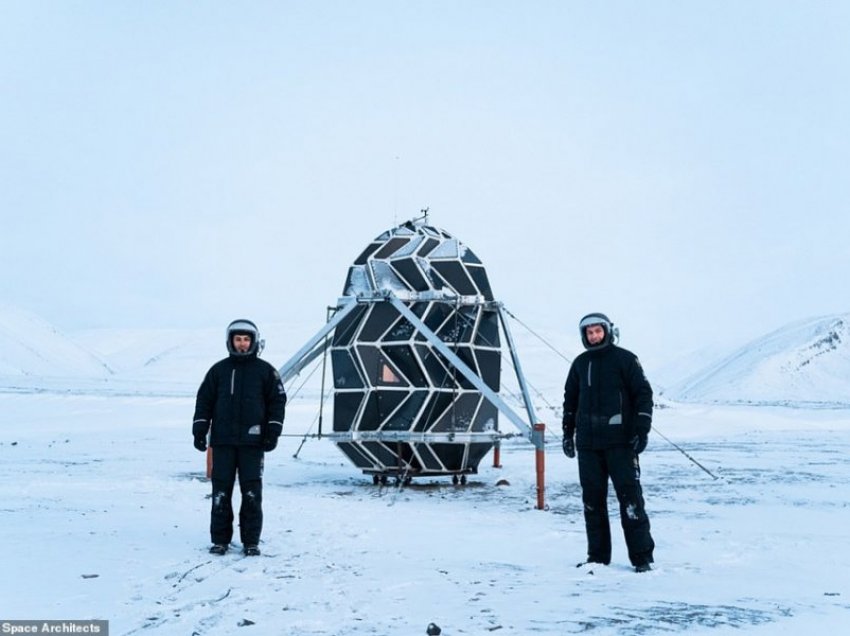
[(589, 365), (232, 381)]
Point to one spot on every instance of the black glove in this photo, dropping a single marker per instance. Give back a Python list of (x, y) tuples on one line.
[(201, 442), (569, 445), (270, 443), (639, 443)]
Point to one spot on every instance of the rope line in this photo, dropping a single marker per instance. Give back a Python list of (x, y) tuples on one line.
[(536, 335)]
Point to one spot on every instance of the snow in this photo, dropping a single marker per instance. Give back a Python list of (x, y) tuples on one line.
[(802, 364), (106, 511), (32, 347)]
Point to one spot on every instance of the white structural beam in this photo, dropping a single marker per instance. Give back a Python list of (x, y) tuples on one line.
[(315, 346), (461, 366)]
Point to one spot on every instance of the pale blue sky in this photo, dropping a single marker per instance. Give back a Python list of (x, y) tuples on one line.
[(681, 166)]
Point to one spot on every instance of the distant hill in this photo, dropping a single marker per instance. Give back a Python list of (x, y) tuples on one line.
[(806, 364), (30, 347)]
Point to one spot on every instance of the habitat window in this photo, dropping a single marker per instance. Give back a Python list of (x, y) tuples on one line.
[(387, 375)]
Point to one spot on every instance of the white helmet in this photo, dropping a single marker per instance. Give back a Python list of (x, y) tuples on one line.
[(612, 334), (243, 327)]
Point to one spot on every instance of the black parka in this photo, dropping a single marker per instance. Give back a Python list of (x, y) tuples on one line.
[(242, 401), (607, 398)]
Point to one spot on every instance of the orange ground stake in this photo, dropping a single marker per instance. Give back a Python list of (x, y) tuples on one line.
[(540, 464), (497, 456), (209, 462)]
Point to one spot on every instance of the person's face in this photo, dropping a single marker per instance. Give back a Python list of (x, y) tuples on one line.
[(241, 343), (595, 334)]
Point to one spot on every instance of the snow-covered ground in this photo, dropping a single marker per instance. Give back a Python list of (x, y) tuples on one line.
[(105, 505), (105, 515)]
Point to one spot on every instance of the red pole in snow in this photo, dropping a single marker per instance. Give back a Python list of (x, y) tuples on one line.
[(540, 463), (209, 462), (497, 455)]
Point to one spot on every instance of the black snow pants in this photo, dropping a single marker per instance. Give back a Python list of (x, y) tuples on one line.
[(247, 461), (621, 465)]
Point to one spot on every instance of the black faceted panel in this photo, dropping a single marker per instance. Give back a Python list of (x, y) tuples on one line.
[(379, 320), (401, 330), (427, 458), (379, 406), (437, 367), (410, 272), (437, 281), (410, 249), (382, 453), (369, 417), (465, 354), (468, 257), (452, 455), (455, 274), (388, 402), (346, 407), (404, 418), (488, 329), (439, 403), (357, 458), (346, 330), (390, 247), (477, 453), (436, 316), (479, 277), (459, 327), (489, 367), (361, 260), (427, 247), (345, 373), (486, 419), (460, 416)]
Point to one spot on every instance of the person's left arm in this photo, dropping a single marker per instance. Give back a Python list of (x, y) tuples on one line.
[(641, 393), (275, 408)]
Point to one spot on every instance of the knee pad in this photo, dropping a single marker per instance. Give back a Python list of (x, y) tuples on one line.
[(219, 499)]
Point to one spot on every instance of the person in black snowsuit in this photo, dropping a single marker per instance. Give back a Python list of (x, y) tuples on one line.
[(607, 418), (241, 404)]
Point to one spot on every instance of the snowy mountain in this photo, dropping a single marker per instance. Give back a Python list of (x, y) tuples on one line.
[(805, 364), (154, 361), (173, 361), (32, 348)]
